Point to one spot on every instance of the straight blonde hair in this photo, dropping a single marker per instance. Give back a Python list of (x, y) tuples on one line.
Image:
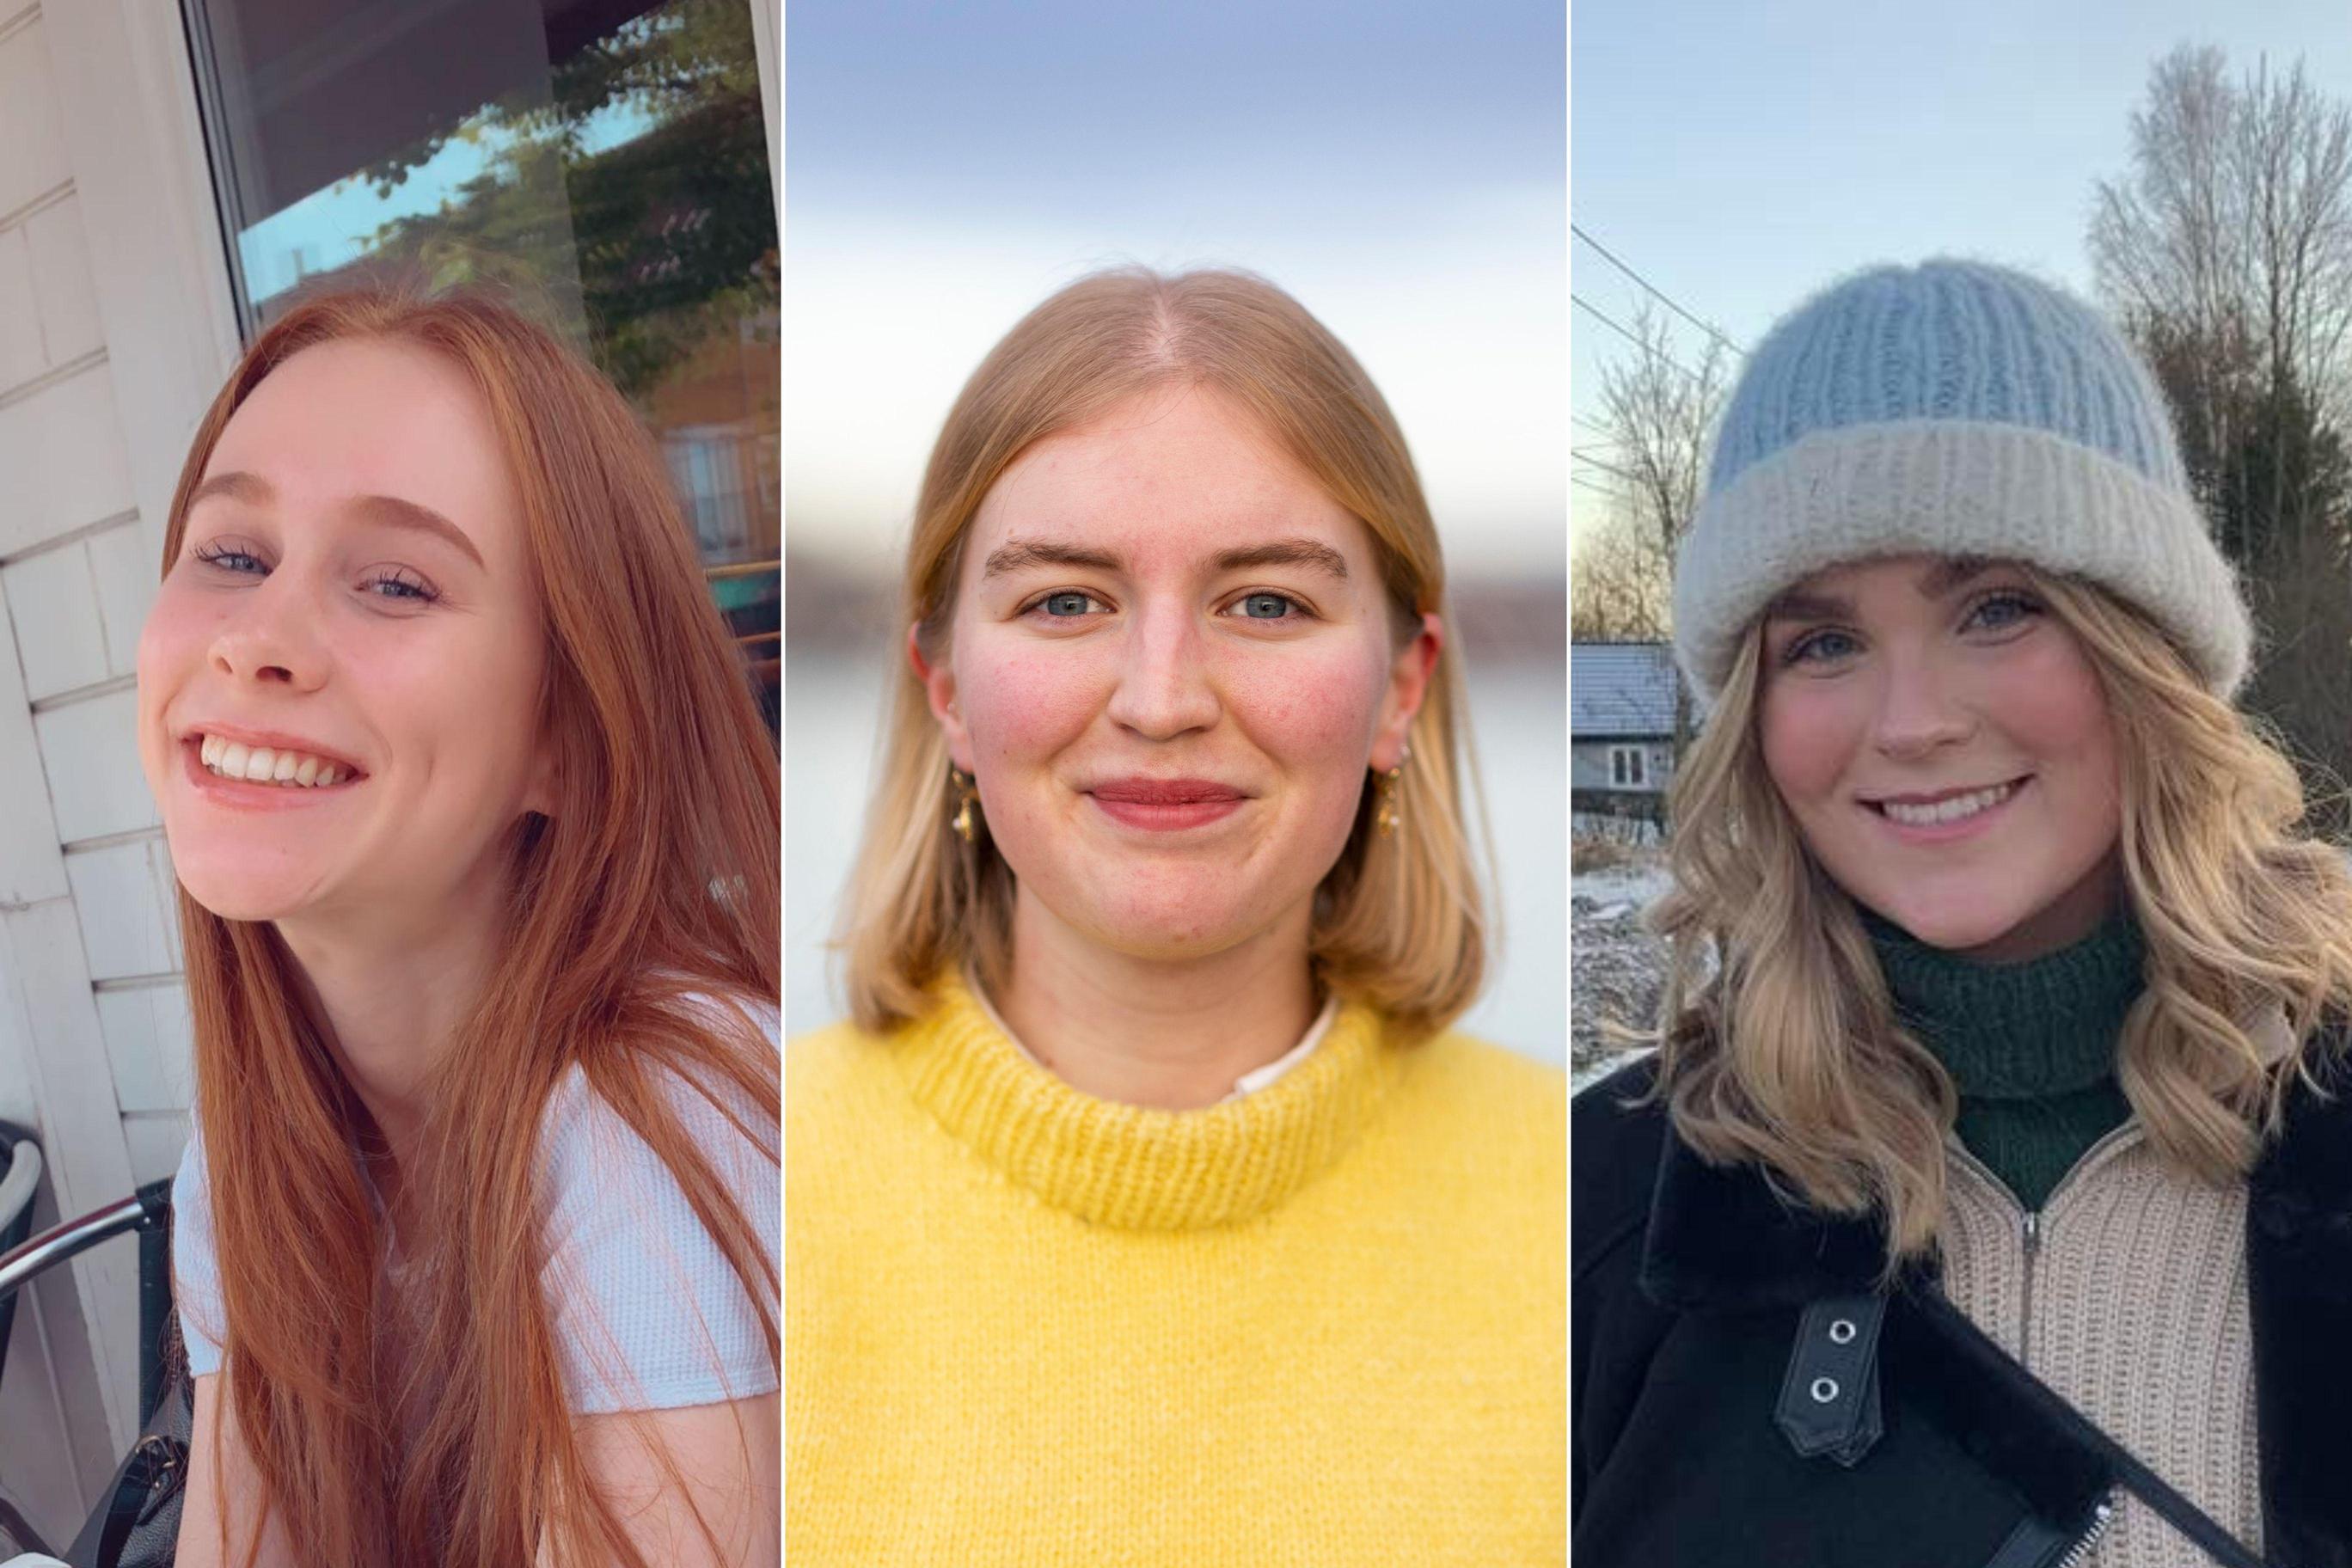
[(1400, 921), (1779, 1043)]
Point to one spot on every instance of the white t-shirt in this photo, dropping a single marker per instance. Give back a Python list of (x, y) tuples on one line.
[(647, 1313)]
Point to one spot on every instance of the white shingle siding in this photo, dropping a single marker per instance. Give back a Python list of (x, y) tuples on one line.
[(149, 1041), (61, 447), (129, 924), (32, 154), (60, 637), (90, 750)]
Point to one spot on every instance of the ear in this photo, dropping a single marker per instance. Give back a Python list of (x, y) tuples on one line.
[(540, 792), (1408, 684), (940, 689)]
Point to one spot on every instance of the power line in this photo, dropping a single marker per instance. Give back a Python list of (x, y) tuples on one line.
[(1594, 425), (1657, 293), (1587, 484), (1605, 319)]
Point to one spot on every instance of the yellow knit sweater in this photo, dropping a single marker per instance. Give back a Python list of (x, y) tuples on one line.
[(1324, 1323)]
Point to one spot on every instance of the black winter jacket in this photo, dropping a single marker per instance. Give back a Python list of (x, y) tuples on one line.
[(1689, 1285)]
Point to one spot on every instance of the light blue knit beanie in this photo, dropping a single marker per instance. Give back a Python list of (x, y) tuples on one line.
[(1952, 409)]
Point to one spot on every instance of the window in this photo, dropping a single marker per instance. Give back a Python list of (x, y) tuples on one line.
[(605, 157), (1628, 767)]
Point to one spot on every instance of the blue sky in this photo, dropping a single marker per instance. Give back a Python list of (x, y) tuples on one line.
[(1400, 168), (1739, 155)]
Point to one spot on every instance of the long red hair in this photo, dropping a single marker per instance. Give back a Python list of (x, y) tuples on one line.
[(657, 876)]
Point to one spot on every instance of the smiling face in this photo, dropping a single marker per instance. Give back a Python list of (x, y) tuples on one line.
[(1173, 659), (1943, 742), (352, 595)]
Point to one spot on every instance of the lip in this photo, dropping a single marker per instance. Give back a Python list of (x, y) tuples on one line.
[(245, 794), (276, 739), (1945, 832), (1165, 805)]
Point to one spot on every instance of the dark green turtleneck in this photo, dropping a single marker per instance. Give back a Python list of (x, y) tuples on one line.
[(2031, 1047)]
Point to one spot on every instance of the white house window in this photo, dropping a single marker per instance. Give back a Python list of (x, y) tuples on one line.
[(1628, 767)]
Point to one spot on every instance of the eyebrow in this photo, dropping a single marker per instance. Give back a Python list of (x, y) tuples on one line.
[(1026, 552), (1938, 582), (393, 510), (1285, 552)]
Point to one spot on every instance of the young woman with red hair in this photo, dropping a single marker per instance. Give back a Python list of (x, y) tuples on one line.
[(475, 826)]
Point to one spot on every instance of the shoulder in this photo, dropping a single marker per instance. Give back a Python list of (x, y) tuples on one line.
[(1496, 1118), (650, 1302), (1478, 1080), (1616, 1141), (823, 1057)]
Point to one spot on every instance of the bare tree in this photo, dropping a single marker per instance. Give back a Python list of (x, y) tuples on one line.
[(2227, 252), (1658, 410)]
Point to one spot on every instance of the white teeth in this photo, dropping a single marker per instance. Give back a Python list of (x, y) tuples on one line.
[(1951, 810), (266, 764)]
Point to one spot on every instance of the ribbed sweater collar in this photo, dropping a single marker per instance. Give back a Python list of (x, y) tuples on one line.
[(2017, 1031), (1128, 1166)]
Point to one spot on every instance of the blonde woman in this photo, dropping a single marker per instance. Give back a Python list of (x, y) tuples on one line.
[(1979, 1206), (1146, 1212)]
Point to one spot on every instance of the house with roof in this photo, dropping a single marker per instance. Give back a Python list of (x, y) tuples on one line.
[(1621, 722)]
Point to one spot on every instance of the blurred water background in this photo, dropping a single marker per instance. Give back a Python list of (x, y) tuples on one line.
[(1400, 168)]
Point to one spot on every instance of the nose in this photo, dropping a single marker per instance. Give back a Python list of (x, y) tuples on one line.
[(269, 637), (1919, 708), (1164, 684)]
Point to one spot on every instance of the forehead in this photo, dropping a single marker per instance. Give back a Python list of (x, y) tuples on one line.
[(1887, 581), (372, 417), (1165, 481)]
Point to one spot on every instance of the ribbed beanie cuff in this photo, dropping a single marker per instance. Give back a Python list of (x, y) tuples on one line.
[(1952, 487)]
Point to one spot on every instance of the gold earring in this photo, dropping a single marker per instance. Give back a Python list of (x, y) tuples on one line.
[(1387, 814), (966, 824)]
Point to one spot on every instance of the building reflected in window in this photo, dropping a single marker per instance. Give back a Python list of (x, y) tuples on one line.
[(604, 163)]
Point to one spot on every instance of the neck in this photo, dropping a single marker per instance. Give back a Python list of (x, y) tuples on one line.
[(390, 995), (1175, 1035)]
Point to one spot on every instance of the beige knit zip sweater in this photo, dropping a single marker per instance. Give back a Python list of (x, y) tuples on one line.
[(2126, 1293)]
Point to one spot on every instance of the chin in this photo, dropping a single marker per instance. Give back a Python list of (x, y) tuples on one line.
[(1954, 930), (238, 894)]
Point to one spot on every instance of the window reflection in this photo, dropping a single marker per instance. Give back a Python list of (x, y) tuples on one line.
[(606, 163)]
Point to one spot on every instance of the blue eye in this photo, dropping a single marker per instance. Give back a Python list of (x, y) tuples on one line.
[(1266, 606), (1818, 647), (2002, 609), (1067, 604), (392, 583), (228, 560)]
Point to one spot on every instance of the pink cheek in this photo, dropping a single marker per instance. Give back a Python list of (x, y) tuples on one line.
[(1306, 711), (1020, 708), (1807, 741)]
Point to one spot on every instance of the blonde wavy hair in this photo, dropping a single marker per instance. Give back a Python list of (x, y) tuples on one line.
[(1778, 1041), (1400, 921)]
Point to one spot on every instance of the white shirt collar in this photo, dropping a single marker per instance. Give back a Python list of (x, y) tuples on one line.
[(1249, 1082)]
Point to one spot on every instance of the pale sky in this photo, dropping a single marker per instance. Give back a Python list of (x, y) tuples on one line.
[(1398, 168), (1740, 155)]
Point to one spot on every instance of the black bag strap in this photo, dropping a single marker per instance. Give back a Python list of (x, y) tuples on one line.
[(2133, 1476)]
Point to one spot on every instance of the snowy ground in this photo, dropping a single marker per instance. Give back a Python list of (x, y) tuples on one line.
[(1615, 964)]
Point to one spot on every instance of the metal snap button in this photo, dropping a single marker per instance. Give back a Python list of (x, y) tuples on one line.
[(1842, 1332), (1824, 1390)]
